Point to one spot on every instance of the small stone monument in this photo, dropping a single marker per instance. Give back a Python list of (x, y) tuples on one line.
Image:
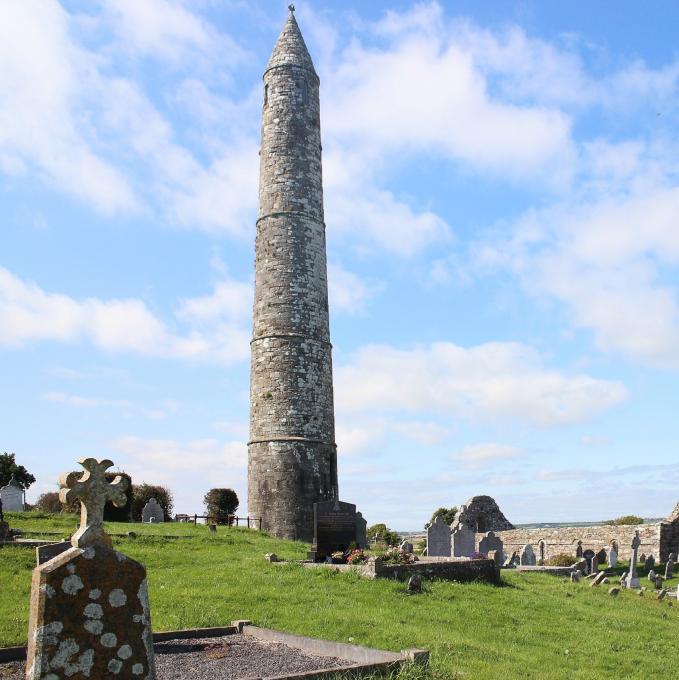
[(588, 556), (601, 556), (669, 566), (651, 575), (463, 541), (12, 496), (334, 528), (490, 542), (415, 584), (406, 547), (361, 531), (575, 576), (649, 563), (612, 557), (632, 579), (642, 558), (152, 512), (527, 556), (595, 564), (89, 615), (438, 538)]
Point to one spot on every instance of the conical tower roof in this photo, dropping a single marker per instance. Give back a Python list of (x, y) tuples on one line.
[(290, 49)]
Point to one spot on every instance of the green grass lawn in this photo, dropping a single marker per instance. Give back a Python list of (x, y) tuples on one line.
[(535, 626)]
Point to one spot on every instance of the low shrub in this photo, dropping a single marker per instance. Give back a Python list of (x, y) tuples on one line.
[(561, 560), (626, 520), (396, 556), (357, 557)]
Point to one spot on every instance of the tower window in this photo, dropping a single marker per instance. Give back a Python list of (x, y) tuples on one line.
[(266, 94), (305, 92)]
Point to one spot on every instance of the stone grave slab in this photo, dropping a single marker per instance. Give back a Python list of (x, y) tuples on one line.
[(45, 553), (361, 531), (334, 528), (612, 557), (588, 555), (438, 538)]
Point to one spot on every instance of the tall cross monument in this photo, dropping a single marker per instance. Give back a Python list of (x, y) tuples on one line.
[(292, 457)]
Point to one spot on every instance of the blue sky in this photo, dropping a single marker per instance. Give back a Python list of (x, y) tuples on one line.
[(502, 209)]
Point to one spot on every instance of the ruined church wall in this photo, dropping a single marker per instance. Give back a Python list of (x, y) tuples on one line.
[(565, 539)]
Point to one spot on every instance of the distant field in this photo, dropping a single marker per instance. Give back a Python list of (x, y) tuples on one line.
[(536, 626)]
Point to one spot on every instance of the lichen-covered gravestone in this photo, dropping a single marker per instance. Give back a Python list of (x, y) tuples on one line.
[(152, 512), (669, 566), (90, 613)]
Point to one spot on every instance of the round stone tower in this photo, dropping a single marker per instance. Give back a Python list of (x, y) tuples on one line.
[(292, 457)]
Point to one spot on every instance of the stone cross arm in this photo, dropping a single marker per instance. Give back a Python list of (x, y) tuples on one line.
[(93, 491)]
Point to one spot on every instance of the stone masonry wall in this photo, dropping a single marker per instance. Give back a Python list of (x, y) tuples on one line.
[(292, 459), (565, 539)]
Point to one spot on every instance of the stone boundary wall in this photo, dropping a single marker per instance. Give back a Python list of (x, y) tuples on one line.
[(462, 571), (446, 568), (657, 539)]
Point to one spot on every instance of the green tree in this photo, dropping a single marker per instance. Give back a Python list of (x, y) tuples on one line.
[(111, 512), (9, 468), (144, 492), (383, 534), (448, 516), (49, 502), (220, 502)]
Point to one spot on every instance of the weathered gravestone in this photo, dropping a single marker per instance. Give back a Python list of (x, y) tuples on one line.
[(491, 542), (588, 556), (651, 575), (89, 615), (334, 528), (669, 566), (463, 541), (632, 579), (527, 556), (152, 512), (649, 563), (438, 538), (601, 556), (612, 557), (595, 564), (361, 531), (12, 496)]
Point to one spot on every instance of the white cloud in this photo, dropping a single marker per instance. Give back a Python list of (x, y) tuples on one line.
[(486, 382), (159, 27), (423, 92), (348, 292), (480, 455), (41, 129), (189, 468), (79, 401), (609, 257), (29, 314)]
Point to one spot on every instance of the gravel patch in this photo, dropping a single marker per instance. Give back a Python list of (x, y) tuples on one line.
[(232, 657)]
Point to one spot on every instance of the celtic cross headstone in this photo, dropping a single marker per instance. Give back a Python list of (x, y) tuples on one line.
[(89, 615)]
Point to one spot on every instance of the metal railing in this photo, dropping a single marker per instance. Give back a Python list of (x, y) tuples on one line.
[(230, 520)]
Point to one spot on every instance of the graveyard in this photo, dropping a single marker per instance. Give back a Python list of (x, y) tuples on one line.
[(533, 625)]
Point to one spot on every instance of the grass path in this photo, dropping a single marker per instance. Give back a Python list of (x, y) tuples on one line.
[(535, 626)]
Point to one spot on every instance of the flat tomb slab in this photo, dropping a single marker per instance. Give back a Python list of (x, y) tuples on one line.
[(221, 653)]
